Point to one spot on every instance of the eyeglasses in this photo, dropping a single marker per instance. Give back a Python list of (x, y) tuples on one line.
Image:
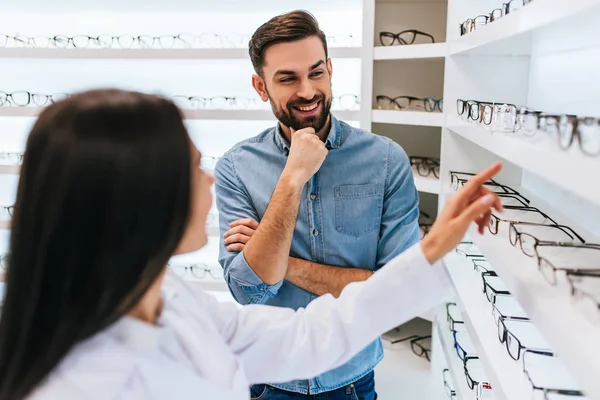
[(425, 166), (8, 210), (514, 346), (575, 255), (403, 103), (472, 24), (456, 181), (468, 250), (585, 286), (452, 322), (23, 98), (460, 350), (529, 243), (345, 102), (424, 230), (468, 364), (11, 158), (4, 261), (550, 362), (198, 270), (481, 266), (416, 345), (488, 286), (507, 117), (525, 214), (451, 393), (214, 103), (403, 38)]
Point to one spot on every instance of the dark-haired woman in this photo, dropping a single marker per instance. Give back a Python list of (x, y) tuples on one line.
[(110, 189)]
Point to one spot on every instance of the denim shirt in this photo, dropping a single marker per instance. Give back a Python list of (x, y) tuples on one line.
[(359, 210)]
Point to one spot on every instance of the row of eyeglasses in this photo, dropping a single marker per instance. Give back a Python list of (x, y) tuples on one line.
[(562, 256), (471, 24), (511, 118), (126, 41), (402, 103), (23, 98)]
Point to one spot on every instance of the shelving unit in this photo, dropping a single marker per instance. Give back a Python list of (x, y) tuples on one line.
[(544, 56), (420, 118)]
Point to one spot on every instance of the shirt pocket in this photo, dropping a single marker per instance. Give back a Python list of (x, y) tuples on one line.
[(357, 208)]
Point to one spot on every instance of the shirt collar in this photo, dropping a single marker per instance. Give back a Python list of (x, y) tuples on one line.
[(333, 141)]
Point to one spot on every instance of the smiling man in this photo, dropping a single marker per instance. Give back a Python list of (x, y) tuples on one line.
[(312, 204)]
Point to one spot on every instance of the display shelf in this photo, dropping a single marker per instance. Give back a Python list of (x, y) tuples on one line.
[(504, 373), (242, 115), (421, 118), (147, 54), (206, 284), (5, 224), (10, 169), (552, 309), (454, 364), (541, 158), (414, 51), (427, 184), (511, 34)]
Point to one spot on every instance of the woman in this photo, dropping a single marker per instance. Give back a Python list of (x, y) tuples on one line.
[(110, 189)]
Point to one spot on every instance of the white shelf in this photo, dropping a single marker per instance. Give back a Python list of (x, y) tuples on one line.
[(504, 373), (10, 169), (427, 184), (5, 224), (510, 35), (454, 364), (409, 52), (215, 286), (571, 170), (242, 115), (146, 54), (562, 323), (419, 118)]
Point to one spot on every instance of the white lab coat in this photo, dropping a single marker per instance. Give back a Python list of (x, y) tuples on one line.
[(206, 349)]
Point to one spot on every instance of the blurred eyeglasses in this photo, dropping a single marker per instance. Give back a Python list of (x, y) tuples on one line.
[(345, 102), (472, 24), (425, 166), (585, 287), (453, 316), (23, 98), (450, 392), (579, 260), (197, 270), (214, 103), (535, 363), (8, 210), (406, 37), (529, 243), (403, 103), (3, 261), (11, 158)]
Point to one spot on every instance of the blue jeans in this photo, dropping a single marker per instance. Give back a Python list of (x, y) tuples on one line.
[(362, 389)]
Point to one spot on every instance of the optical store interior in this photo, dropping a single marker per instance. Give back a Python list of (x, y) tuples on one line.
[(457, 84)]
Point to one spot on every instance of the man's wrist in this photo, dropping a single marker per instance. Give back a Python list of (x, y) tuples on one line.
[(292, 181)]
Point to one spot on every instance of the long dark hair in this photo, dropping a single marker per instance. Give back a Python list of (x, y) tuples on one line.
[(102, 203)]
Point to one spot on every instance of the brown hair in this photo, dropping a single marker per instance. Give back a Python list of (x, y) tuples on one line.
[(289, 27)]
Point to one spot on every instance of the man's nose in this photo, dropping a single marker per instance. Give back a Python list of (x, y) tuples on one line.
[(306, 90)]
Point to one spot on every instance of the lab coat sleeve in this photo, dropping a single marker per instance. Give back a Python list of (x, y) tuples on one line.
[(278, 344)]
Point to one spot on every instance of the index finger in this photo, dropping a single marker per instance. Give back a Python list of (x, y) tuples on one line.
[(474, 184)]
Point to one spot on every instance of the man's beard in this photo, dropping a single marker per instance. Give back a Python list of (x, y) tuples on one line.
[(317, 122)]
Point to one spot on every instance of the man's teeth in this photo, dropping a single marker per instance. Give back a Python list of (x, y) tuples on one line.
[(308, 108)]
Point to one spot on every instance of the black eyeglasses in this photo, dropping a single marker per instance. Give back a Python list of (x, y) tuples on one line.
[(456, 181), (431, 104), (452, 322), (419, 346), (465, 249), (425, 166), (199, 270), (528, 354), (514, 346), (490, 291), (471, 24), (513, 199), (481, 265), (471, 383), (530, 243), (403, 38)]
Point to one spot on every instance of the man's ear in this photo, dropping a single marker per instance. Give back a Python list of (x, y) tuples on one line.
[(329, 67), (259, 85)]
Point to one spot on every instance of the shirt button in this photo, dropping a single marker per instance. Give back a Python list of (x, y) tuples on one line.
[(313, 196), (316, 232)]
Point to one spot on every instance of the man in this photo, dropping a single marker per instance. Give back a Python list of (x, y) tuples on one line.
[(311, 205)]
